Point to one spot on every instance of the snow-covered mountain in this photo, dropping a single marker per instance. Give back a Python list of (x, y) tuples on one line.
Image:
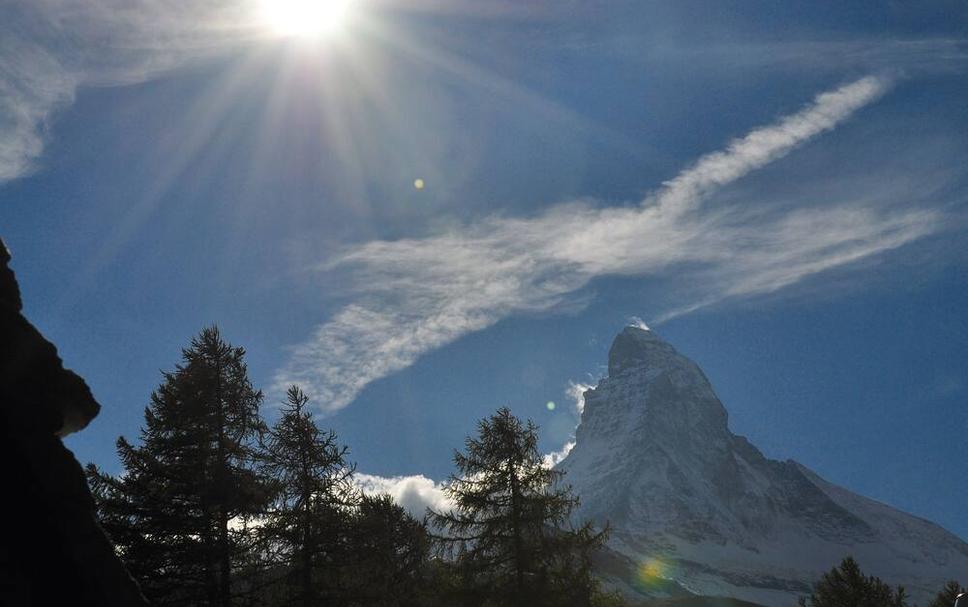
[(693, 505)]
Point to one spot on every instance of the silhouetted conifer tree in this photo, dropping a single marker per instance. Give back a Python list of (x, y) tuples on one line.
[(847, 586), (509, 527), (948, 594), (306, 525), (391, 551), (179, 512)]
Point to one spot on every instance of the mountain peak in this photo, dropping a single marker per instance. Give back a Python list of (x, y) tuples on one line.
[(637, 347), (654, 457)]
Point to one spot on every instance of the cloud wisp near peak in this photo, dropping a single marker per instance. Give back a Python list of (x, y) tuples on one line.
[(412, 296)]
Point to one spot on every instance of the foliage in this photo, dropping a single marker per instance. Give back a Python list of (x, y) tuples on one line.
[(508, 531), (304, 528), (847, 586), (215, 509), (179, 513), (391, 551), (948, 594)]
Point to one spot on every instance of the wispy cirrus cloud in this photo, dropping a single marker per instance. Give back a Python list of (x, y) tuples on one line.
[(33, 85), (51, 48), (415, 295), (924, 55)]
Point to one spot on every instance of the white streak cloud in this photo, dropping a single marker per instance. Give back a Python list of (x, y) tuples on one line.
[(415, 295)]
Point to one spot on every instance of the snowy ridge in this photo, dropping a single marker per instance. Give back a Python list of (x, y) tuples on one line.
[(655, 458)]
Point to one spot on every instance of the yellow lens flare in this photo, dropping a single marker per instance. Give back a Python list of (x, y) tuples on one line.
[(418, 183), (653, 573), (304, 18), (651, 569)]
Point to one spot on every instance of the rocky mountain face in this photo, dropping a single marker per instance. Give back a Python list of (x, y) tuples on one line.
[(695, 508)]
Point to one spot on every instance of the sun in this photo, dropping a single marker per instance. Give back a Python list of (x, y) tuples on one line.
[(305, 18)]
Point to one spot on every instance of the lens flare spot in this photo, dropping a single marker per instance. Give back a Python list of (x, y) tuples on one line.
[(418, 183), (651, 569), (551, 405), (653, 573)]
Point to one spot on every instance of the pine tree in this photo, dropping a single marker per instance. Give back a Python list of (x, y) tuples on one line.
[(306, 525), (179, 512), (847, 586), (391, 554), (948, 594), (508, 527)]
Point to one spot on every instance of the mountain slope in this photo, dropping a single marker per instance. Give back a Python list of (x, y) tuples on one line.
[(654, 457)]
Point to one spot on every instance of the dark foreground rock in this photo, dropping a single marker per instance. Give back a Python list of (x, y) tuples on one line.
[(52, 552)]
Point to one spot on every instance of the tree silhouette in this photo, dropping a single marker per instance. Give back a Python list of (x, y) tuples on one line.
[(847, 586), (305, 527), (508, 530), (391, 551), (179, 513), (948, 594)]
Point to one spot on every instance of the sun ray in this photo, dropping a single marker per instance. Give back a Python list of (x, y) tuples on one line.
[(202, 119)]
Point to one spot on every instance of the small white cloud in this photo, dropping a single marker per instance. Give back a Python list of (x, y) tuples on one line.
[(553, 459), (415, 494), (576, 393)]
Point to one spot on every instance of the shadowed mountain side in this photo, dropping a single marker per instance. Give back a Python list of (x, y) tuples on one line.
[(53, 551), (633, 580), (700, 601), (654, 457), (621, 573)]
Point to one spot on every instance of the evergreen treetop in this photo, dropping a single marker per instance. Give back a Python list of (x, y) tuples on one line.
[(847, 586), (305, 525), (946, 597), (509, 526), (178, 510)]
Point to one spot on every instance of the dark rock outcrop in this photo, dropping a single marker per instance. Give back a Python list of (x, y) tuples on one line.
[(52, 552)]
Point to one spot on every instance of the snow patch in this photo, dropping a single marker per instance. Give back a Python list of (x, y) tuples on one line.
[(638, 323)]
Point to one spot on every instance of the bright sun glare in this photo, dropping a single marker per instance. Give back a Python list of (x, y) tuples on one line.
[(305, 18)]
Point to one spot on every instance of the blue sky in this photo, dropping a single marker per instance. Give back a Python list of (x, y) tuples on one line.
[(779, 190)]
